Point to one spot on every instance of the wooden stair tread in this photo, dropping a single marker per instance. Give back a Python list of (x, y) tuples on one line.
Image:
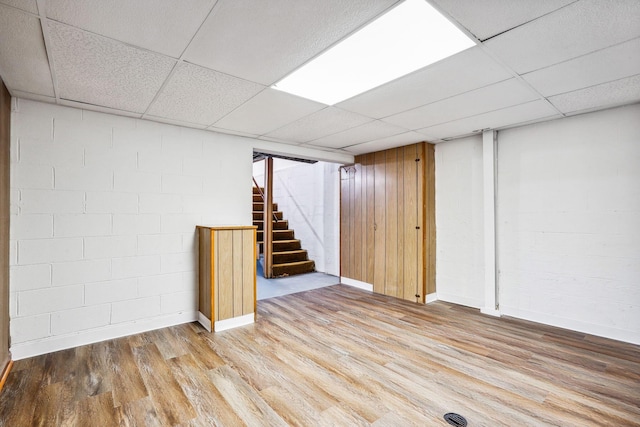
[(257, 215), (292, 268), (294, 251), (294, 263), (290, 256), (281, 224)]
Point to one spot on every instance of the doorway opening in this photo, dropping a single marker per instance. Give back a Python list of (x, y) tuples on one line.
[(303, 224)]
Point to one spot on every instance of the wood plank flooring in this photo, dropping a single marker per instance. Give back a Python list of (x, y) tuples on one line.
[(335, 356)]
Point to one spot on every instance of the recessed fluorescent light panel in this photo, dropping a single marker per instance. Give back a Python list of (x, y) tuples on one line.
[(407, 38)]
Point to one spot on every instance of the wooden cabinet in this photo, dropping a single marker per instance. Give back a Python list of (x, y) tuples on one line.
[(227, 276)]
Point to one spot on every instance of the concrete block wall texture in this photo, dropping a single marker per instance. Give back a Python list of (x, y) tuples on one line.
[(568, 222), (459, 222), (103, 215)]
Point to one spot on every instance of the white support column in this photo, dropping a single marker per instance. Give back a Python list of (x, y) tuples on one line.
[(489, 147)]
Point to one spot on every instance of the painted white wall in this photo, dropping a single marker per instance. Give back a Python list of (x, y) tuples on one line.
[(309, 197), (103, 221), (459, 222), (569, 223)]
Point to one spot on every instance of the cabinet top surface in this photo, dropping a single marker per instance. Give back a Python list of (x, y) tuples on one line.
[(228, 227)]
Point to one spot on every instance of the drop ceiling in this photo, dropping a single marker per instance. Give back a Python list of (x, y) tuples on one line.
[(209, 64)]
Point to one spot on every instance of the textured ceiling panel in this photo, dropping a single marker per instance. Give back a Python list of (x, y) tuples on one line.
[(385, 143), (267, 111), (164, 26), (489, 98), (116, 56), (23, 59), (468, 70), (490, 17), (505, 117), (619, 92), (575, 30), (325, 122), (366, 132), (605, 65), (28, 5), (198, 95), (264, 40), (96, 70)]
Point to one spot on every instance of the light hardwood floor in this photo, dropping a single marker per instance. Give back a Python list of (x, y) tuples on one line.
[(335, 356)]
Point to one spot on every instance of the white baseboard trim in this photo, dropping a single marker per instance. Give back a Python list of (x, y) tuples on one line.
[(204, 321), (490, 311), (574, 325), (234, 322), (431, 298), (62, 342), (356, 284)]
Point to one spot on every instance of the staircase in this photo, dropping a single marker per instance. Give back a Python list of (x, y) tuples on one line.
[(288, 256)]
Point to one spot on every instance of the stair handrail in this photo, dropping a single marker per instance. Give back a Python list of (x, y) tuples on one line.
[(275, 217)]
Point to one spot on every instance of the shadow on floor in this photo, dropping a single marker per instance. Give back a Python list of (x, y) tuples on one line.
[(270, 288)]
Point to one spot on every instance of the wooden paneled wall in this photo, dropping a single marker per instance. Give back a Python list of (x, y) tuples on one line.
[(388, 221), (227, 282), (5, 122)]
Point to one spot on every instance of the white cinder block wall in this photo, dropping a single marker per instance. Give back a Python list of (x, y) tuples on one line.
[(459, 222), (309, 197), (103, 221), (568, 222)]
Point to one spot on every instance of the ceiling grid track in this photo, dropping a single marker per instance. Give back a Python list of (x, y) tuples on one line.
[(42, 15)]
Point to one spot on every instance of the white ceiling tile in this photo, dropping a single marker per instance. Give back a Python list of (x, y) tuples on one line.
[(490, 17), (467, 70), (199, 95), (164, 26), (363, 133), (619, 92), (264, 40), (602, 66), (97, 70), (23, 59), (580, 28), (328, 150), (494, 120), (322, 123), (268, 110), (489, 98), (27, 5), (386, 143)]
